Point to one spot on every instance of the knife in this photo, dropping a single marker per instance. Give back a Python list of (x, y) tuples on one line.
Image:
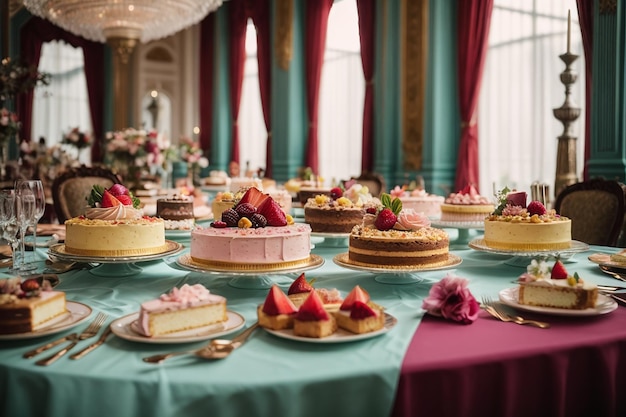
[(47, 346), (94, 345)]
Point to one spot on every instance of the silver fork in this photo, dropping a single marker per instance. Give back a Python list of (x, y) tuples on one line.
[(89, 332), (495, 309)]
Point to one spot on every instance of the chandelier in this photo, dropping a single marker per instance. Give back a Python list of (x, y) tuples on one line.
[(140, 20)]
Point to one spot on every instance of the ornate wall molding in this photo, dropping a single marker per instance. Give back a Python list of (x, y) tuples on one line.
[(283, 38), (608, 6), (414, 56)]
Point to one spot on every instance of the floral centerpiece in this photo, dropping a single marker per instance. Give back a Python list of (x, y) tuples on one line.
[(77, 139), (190, 152), (16, 77), (9, 125)]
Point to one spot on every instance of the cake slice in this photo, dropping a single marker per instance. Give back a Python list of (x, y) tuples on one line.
[(312, 320), (358, 314), (300, 289), (554, 287), (277, 312), (24, 306), (190, 307)]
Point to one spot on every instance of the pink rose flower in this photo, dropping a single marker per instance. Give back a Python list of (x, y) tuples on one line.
[(397, 191), (409, 219), (451, 299)]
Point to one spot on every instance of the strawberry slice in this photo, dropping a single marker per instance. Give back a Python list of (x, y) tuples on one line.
[(109, 200), (558, 271), (357, 294), (300, 285), (125, 199), (118, 189), (253, 196), (312, 309), (271, 210), (361, 310), (277, 303)]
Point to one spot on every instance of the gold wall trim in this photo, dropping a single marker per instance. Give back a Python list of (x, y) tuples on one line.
[(414, 41), (608, 6), (283, 38)]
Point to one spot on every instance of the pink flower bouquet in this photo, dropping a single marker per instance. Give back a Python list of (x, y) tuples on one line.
[(451, 299)]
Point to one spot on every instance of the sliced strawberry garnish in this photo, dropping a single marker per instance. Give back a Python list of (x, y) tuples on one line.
[(558, 271), (386, 219), (312, 309), (300, 285), (516, 198), (118, 189), (253, 196), (361, 310), (357, 294), (125, 199), (272, 212), (277, 303), (109, 200)]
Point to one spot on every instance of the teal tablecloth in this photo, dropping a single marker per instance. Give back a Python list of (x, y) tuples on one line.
[(268, 376)]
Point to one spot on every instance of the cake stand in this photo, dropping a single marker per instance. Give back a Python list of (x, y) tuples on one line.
[(464, 228), (521, 258), (114, 266), (332, 240), (396, 275), (254, 278)]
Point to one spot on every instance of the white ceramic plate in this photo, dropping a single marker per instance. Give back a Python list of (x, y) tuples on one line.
[(575, 247), (340, 336), (76, 314), (127, 328), (604, 305)]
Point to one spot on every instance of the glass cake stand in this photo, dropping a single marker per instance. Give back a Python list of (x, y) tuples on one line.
[(114, 266), (396, 275), (521, 258), (254, 278), (464, 231), (332, 240)]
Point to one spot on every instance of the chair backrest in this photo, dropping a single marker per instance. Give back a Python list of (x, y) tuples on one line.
[(596, 208), (71, 188), (374, 182)]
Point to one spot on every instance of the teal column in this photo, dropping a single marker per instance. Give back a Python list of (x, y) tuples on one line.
[(222, 116), (607, 153), (289, 115)]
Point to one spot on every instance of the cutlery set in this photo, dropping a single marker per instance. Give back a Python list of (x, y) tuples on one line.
[(496, 310)]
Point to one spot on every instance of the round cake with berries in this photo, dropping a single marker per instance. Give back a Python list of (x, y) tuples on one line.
[(114, 225), (466, 206), (515, 226), (255, 233), (419, 200), (397, 237), (340, 211)]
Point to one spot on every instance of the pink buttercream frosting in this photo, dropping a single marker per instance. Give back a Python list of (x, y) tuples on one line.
[(469, 197), (120, 212)]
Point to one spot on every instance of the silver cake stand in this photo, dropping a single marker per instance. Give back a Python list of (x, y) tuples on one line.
[(523, 258), (464, 231)]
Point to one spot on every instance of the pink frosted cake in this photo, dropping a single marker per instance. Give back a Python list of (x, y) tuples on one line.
[(466, 206), (184, 308), (419, 200)]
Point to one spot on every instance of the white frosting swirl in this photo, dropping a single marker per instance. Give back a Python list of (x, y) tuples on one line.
[(120, 212), (187, 294)]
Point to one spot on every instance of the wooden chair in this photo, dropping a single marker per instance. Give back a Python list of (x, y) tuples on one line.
[(374, 182), (596, 208), (71, 188)]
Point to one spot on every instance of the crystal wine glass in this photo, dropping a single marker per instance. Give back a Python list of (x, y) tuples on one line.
[(32, 206), (9, 226)]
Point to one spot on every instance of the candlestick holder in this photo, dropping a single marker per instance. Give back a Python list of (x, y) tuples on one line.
[(567, 114)]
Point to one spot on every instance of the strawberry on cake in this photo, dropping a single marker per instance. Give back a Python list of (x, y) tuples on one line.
[(255, 233), (114, 225), (277, 311), (467, 205), (358, 314), (300, 288), (312, 319)]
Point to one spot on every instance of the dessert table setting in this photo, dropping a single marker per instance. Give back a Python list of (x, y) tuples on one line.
[(489, 367)]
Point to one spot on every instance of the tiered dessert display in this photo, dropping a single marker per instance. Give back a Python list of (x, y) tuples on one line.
[(252, 239), (521, 230), (114, 233), (397, 242)]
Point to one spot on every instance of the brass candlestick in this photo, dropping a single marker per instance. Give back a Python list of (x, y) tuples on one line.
[(567, 114)]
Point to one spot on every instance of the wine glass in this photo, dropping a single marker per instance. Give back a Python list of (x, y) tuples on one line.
[(9, 225), (32, 204)]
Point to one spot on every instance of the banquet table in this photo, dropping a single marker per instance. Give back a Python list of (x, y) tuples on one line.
[(423, 366)]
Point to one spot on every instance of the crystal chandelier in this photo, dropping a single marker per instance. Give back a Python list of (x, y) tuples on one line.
[(140, 20)]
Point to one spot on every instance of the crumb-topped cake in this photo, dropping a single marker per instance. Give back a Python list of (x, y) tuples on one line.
[(340, 211), (184, 308), (516, 226), (25, 305), (553, 287), (396, 237), (114, 225), (419, 200), (467, 205), (254, 233)]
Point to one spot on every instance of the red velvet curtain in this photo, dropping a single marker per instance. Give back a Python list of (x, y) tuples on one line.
[(585, 17), (261, 19), (207, 36), (238, 20), (367, 21), (473, 20), (316, 15), (34, 34)]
